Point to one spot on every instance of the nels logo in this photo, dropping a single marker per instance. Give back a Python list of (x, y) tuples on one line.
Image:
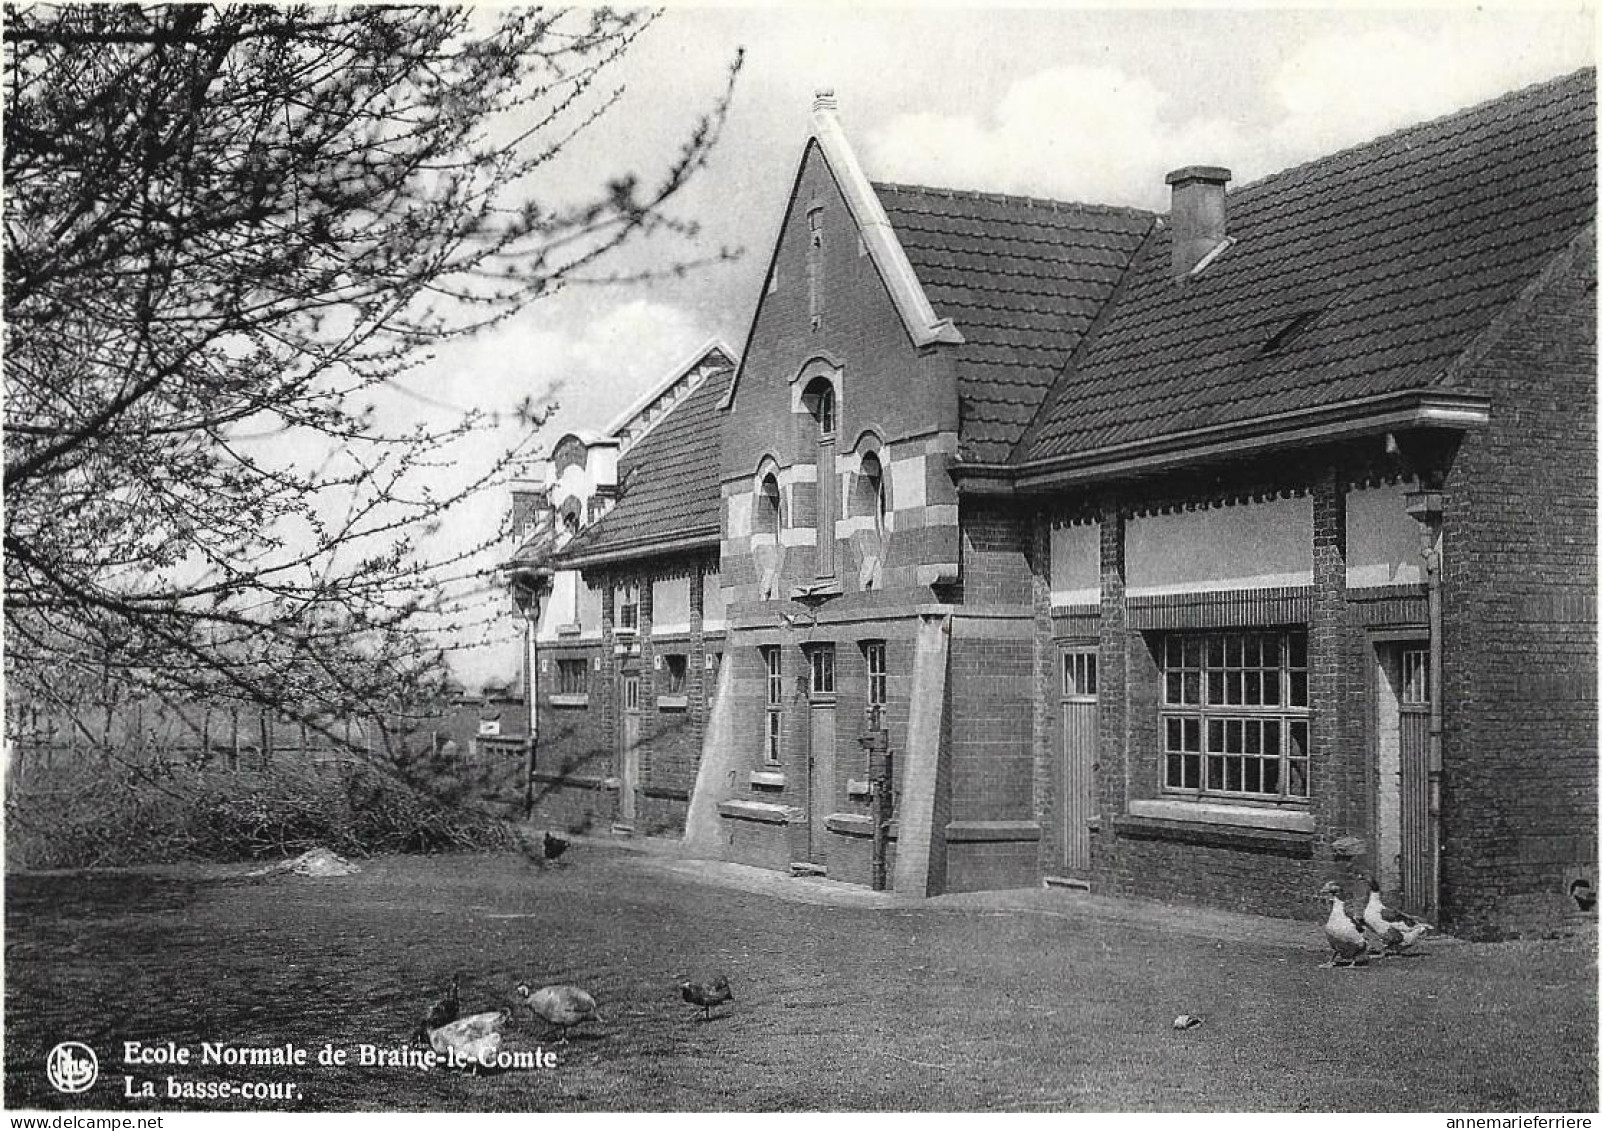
[(72, 1067)]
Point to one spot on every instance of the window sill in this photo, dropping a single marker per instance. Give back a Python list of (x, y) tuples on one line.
[(764, 812), (1213, 834), (570, 700), (855, 824), (1215, 813), (856, 788), (672, 702), (767, 779)]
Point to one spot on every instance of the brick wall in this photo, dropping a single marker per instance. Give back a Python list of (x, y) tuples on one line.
[(1519, 605)]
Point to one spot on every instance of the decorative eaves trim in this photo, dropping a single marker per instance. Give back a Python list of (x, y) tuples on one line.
[(641, 548), (1390, 412), (917, 313)]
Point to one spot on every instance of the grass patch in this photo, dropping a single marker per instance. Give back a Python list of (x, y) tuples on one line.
[(836, 1007)]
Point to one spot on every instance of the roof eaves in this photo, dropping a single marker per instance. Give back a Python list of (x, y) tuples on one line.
[(706, 538), (1417, 408)]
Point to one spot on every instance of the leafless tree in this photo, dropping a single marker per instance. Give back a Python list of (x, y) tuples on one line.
[(226, 229)]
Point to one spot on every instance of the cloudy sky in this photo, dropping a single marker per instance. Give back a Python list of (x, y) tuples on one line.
[(1084, 105)]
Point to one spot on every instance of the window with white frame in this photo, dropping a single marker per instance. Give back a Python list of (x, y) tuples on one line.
[(821, 659), (773, 664), (878, 674), (1234, 717)]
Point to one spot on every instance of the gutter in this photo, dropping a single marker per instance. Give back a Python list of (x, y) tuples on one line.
[(1369, 416), (708, 538)]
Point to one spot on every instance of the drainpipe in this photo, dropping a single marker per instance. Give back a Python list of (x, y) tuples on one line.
[(1426, 507)]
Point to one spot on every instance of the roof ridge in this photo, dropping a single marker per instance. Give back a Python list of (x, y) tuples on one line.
[(1011, 198), (1391, 138)]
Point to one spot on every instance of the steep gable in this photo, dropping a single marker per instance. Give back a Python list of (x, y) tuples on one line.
[(1354, 277)]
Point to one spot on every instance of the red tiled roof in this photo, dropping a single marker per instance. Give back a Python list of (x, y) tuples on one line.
[(1022, 279), (1374, 269), (668, 483)]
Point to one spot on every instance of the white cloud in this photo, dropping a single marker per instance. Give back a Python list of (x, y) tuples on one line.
[(1339, 90), (1092, 134)]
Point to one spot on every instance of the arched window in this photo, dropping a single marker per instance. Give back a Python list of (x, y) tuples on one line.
[(869, 497), (766, 518), (818, 399)]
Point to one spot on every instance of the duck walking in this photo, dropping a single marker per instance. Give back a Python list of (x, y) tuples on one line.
[(1397, 931), (707, 994), (1347, 945), (562, 1006)]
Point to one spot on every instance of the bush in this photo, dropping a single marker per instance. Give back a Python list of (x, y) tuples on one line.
[(104, 813)]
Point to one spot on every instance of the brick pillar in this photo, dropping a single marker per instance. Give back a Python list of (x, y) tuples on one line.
[(1113, 675), (1336, 773), (606, 680), (649, 680), (1046, 802)]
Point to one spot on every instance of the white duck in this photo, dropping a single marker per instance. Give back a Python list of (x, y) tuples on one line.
[(1345, 934), (563, 1006), (470, 1042), (1396, 930)]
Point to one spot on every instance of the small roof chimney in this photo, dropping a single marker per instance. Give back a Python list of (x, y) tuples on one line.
[(1196, 215)]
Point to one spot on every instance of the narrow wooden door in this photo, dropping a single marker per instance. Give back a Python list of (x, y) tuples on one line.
[(820, 752), (629, 769), (1417, 825), (1076, 778)]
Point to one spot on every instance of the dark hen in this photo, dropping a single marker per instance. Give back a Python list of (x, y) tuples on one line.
[(707, 994), (554, 845), (443, 1011)]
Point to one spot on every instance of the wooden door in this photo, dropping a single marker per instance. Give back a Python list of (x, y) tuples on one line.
[(1404, 830), (1076, 776), (1417, 825), (629, 740)]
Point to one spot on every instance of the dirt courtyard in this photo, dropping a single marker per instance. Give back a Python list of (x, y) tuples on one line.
[(1044, 1000)]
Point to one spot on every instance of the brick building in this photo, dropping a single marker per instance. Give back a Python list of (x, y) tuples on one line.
[(1207, 555), (630, 631)]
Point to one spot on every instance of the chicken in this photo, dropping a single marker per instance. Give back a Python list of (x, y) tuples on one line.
[(470, 1042), (562, 1006), (443, 1011), (707, 994), (554, 845), (1396, 930), (1345, 934)]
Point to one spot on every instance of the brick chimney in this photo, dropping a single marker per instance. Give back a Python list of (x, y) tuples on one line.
[(530, 503), (1196, 215)]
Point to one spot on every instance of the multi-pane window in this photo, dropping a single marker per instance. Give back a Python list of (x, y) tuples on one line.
[(821, 659), (1234, 714), (878, 686), (775, 697), (628, 613), (1079, 674), (677, 668), (1415, 676), (572, 677)]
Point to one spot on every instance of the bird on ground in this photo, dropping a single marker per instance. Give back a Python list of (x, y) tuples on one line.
[(470, 1042), (707, 994), (443, 1011), (1347, 945), (555, 845), (562, 1006), (1396, 930)]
